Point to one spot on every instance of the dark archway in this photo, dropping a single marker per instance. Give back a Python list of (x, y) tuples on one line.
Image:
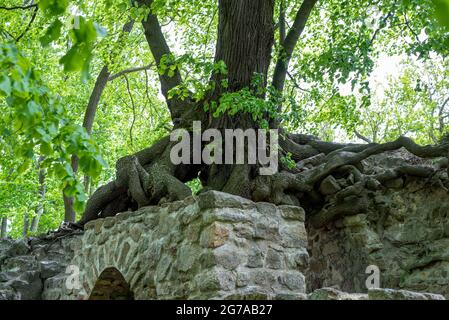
[(111, 285)]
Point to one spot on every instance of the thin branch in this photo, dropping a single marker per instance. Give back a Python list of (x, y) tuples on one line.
[(208, 29), (130, 70), (384, 20), (168, 23), (290, 42), (407, 23), (7, 35), (445, 103), (295, 83), (147, 94), (159, 48), (33, 17), (133, 108), (362, 137), (30, 6)]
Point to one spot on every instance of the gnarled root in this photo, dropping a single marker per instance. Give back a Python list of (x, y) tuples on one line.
[(142, 179), (320, 160), (353, 205), (149, 177), (280, 188)]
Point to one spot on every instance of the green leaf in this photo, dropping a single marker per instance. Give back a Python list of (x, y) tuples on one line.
[(53, 33), (53, 7), (31, 109), (5, 85), (25, 166), (46, 149), (442, 11)]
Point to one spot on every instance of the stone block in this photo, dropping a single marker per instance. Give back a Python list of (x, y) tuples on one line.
[(216, 199), (390, 294), (214, 236), (293, 213)]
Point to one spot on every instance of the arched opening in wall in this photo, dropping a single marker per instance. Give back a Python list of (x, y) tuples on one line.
[(111, 286)]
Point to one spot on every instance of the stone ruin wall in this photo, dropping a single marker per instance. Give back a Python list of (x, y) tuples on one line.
[(214, 247), (219, 246), (404, 232)]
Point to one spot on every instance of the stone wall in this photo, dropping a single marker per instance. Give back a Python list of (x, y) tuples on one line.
[(25, 266), (405, 233), (216, 246)]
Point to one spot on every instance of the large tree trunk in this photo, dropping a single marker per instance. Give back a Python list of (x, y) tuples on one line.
[(245, 41)]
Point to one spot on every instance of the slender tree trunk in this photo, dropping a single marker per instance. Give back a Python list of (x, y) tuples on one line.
[(282, 30), (69, 212), (87, 184), (289, 43), (100, 85), (89, 117), (26, 225), (4, 226), (42, 191)]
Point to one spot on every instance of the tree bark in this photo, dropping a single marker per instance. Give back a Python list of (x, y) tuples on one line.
[(245, 39), (26, 225), (4, 227), (282, 22), (288, 46)]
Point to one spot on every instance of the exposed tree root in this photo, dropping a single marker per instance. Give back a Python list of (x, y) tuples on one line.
[(146, 178), (149, 177), (354, 205)]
